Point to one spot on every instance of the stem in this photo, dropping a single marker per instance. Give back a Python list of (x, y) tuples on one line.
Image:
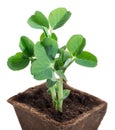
[(50, 30), (57, 95), (54, 99), (45, 32), (68, 64), (60, 95), (32, 59)]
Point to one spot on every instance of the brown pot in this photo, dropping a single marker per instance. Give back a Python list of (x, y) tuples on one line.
[(31, 119)]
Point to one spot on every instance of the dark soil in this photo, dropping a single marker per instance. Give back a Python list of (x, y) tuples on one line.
[(76, 104)]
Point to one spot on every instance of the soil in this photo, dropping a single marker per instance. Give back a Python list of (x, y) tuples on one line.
[(76, 104)]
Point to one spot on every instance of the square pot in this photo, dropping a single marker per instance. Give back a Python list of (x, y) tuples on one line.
[(31, 119)]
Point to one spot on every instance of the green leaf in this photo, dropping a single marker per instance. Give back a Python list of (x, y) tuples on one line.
[(53, 36), (61, 74), (86, 59), (66, 93), (17, 61), (76, 44), (58, 63), (62, 59), (42, 36), (41, 68), (65, 55), (58, 17), (51, 47), (50, 83), (27, 46), (40, 52), (38, 20)]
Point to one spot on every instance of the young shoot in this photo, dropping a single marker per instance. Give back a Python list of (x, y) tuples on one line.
[(49, 61)]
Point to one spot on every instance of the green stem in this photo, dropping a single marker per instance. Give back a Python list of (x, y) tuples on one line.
[(60, 95), (50, 30), (68, 64), (57, 95), (45, 32), (53, 94), (32, 59)]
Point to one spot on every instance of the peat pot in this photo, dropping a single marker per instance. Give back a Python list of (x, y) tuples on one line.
[(81, 111)]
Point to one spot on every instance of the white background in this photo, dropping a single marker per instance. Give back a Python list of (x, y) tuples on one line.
[(94, 19)]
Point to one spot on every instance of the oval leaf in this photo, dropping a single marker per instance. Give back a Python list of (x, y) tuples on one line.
[(18, 61), (66, 93), (38, 20), (51, 47), (58, 17), (40, 52), (41, 68), (65, 55), (50, 83), (27, 46), (42, 36), (86, 59), (76, 44), (53, 36), (58, 63)]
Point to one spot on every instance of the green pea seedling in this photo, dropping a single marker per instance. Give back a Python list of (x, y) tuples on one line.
[(47, 60)]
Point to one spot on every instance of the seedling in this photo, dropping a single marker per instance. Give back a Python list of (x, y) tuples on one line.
[(48, 61)]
